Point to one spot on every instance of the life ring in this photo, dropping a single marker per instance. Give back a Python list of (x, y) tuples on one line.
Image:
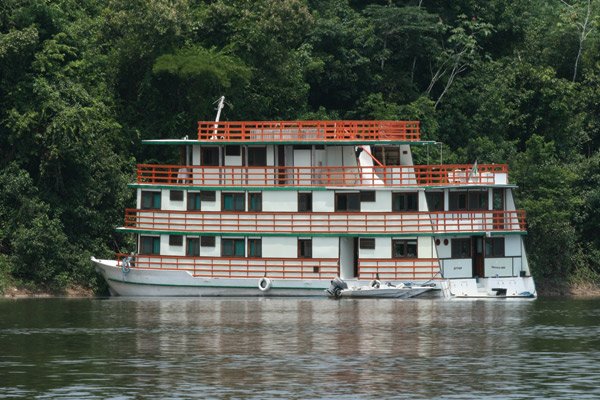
[(264, 284), (375, 284)]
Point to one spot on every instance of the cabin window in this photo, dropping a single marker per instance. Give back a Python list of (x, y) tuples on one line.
[(149, 245), (232, 248), (233, 150), (304, 248), (367, 196), (461, 248), (404, 248), (498, 199), (257, 156), (347, 202), (254, 248), (304, 202), (208, 196), (193, 247), (209, 156), (176, 195), (175, 240), (367, 243), (435, 201), (472, 200), (207, 241), (255, 202), (233, 202), (408, 201), (194, 201), (150, 200), (494, 247)]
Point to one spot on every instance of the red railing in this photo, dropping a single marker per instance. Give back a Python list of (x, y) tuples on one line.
[(322, 222), (277, 131), (389, 176), (414, 269), (221, 267)]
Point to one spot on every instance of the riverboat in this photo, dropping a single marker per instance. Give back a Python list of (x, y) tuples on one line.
[(281, 208)]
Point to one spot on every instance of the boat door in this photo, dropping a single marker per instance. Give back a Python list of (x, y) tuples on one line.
[(477, 247), (347, 257)]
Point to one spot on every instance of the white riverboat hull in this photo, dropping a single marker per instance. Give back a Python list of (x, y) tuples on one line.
[(161, 282)]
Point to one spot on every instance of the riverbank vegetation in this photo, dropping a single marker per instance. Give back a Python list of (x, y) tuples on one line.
[(82, 82)]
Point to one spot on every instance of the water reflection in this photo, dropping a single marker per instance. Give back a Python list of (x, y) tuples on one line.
[(301, 348)]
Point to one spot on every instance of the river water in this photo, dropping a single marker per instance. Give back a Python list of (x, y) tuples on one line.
[(120, 348)]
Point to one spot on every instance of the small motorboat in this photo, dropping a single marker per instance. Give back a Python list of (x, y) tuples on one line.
[(376, 290)]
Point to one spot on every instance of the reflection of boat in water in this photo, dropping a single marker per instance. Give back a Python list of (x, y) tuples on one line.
[(377, 290), (280, 208)]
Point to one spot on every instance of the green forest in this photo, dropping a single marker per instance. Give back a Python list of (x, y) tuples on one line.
[(83, 82)]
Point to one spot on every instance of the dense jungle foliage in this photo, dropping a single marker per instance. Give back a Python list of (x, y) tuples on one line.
[(82, 82)]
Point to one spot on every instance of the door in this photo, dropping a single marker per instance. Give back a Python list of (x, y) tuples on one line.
[(477, 251)]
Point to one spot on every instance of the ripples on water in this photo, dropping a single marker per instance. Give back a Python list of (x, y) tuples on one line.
[(298, 348)]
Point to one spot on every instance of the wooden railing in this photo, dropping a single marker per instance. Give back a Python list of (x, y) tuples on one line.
[(222, 267), (305, 131), (414, 269), (388, 176), (330, 223)]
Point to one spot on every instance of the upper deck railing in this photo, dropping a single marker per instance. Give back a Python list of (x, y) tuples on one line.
[(385, 176), (308, 131), (359, 223)]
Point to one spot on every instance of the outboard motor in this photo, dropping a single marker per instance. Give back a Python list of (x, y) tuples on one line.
[(337, 285)]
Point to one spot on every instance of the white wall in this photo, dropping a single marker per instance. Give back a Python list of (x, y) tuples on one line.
[(284, 200), (383, 249), (382, 203), (167, 250), (334, 155), (426, 247), (325, 247), (280, 247), (167, 204), (501, 267), (458, 268), (211, 251), (323, 201)]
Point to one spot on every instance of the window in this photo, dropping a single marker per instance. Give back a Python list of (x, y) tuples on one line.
[(176, 195), (478, 200), (254, 201), (194, 201), (461, 248), (209, 156), (257, 156), (150, 200), (498, 199), (347, 202), (367, 196), (232, 248), (408, 201), (193, 247), (404, 248), (304, 248), (254, 248), (233, 202), (494, 247), (472, 200), (304, 202), (435, 201), (149, 245), (367, 243), (207, 241), (208, 196), (233, 150), (175, 240)]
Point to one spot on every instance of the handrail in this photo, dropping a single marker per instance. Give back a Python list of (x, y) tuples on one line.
[(410, 269), (278, 131), (238, 267), (376, 176), (327, 223)]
